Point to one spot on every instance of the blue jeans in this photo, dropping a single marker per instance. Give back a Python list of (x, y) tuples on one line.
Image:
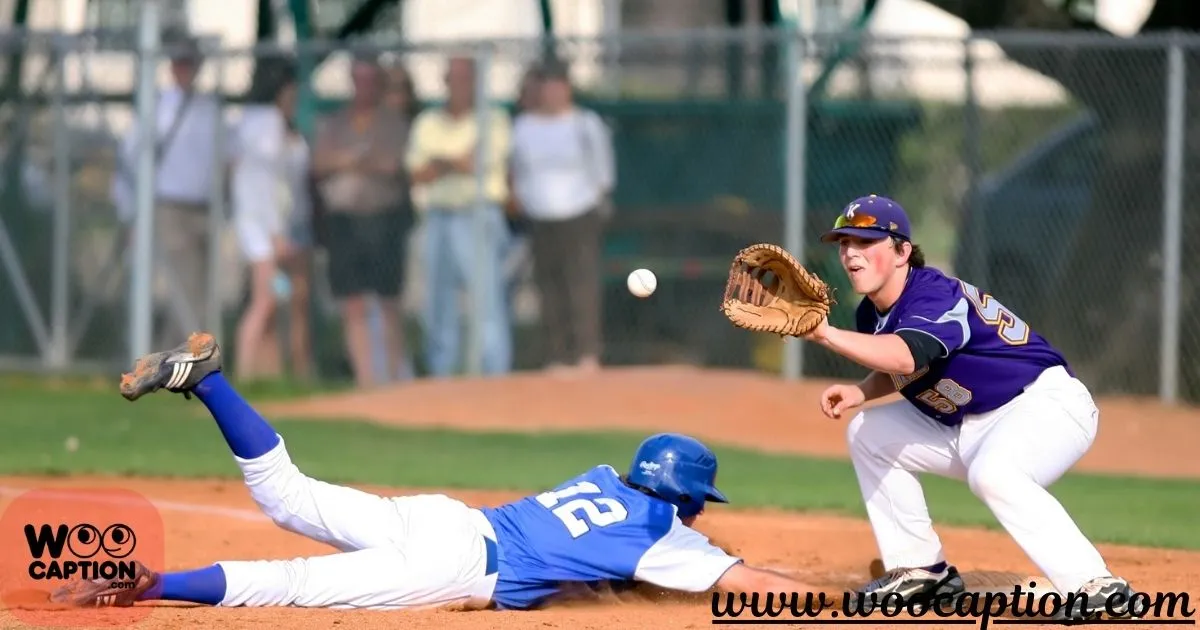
[(452, 257)]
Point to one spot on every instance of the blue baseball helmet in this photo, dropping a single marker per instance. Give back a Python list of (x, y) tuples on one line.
[(678, 469)]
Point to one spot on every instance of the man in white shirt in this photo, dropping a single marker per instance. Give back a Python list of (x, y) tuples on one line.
[(563, 172), (187, 125)]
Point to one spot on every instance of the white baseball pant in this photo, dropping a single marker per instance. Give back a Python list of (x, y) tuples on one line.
[(1007, 456), (419, 551)]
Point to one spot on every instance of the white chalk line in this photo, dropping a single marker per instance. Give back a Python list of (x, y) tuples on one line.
[(163, 506)]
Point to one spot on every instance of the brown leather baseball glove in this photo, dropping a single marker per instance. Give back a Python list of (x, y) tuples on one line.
[(768, 290)]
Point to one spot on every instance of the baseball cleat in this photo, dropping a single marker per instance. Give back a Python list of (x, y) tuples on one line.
[(916, 586), (1106, 596), (177, 370), (100, 593)]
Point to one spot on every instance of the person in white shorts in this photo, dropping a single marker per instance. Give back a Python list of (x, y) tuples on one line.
[(270, 209)]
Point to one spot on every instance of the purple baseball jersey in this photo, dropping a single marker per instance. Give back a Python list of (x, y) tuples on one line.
[(991, 353)]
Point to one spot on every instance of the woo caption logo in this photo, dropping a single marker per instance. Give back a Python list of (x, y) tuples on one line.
[(54, 538), (81, 551)]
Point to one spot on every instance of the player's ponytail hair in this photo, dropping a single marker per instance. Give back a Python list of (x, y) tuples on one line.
[(916, 257)]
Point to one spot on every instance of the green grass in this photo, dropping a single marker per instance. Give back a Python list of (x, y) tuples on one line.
[(167, 436), (36, 389)]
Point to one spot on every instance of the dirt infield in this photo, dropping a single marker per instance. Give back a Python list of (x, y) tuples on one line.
[(206, 521), (1136, 437)]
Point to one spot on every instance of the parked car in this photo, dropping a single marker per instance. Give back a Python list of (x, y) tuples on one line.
[(1018, 228)]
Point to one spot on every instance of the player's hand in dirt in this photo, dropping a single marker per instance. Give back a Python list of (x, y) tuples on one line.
[(838, 399)]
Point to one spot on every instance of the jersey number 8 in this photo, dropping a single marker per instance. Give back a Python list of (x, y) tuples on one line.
[(946, 396), (590, 506)]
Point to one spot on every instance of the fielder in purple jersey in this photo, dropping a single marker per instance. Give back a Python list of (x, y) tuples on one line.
[(986, 400), (990, 354)]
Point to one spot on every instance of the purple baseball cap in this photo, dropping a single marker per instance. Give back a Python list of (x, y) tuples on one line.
[(872, 218)]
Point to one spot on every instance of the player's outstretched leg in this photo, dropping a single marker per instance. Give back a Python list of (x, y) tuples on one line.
[(446, 557), (453, 573), (889, 446), (92, 593), (415, 551), (201, 586), (346, 518), (194, 368), (176, 370), (1013, 455)]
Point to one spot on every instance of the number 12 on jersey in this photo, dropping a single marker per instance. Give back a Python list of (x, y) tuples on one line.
[(591, 507)]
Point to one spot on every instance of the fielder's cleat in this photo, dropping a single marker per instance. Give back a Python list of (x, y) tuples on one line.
[(100, 593), (916, 586), (177, 370), (1107, 596)]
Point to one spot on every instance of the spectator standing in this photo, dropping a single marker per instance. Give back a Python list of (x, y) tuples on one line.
[(271, 213), (442, 157), (527, 95), (518, 259), (358, 165), (187, 126), (400, 95), (563, 174)]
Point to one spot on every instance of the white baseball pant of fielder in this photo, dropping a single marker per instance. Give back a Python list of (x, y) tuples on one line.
[(1007, 457)]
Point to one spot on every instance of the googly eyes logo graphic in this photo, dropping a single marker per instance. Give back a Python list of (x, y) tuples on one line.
[(84, 540), (118, 540)]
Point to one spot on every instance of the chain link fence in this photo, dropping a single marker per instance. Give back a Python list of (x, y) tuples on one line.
[(1066, 233), (1033, 166), (1035, 169), (64, 287)]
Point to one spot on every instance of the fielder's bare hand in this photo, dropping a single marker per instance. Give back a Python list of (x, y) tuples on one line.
[(838, 399), (818, 334)]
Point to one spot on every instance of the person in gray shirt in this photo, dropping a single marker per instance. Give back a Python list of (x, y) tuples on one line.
[(358, 162)]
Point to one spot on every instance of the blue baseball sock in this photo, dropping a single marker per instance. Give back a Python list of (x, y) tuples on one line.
[(247, 433), (936, 568), (200, 586)]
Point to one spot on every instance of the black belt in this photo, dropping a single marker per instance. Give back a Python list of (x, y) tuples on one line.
[(489, 546)]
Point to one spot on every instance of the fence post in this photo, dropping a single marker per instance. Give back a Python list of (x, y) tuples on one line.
[(141, 304), (1172, 223), (479, 287), (796, 172), (610, 46), (980, 267), (216, 204), (60, 290)]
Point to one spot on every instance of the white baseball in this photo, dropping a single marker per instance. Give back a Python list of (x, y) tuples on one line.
[(641, 282)]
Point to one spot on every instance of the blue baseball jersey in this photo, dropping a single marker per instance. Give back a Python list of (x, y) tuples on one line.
[(593, 529), (989, 353)]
